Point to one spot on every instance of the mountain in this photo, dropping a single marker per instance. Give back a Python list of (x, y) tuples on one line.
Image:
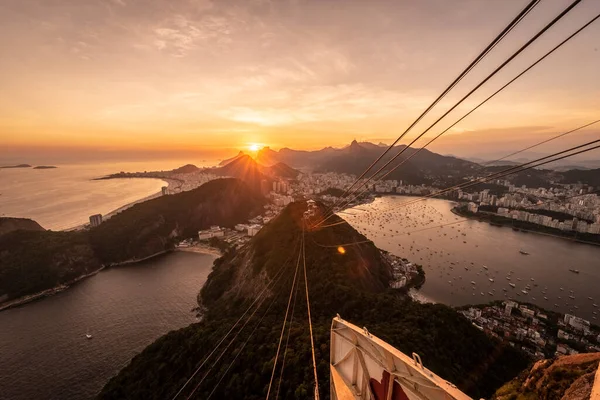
[(186, 169), (8, 224), (248, 170), (567, 378), (301, 159), (267, 157), (281, 170), (589, 176), (353, 283), (227, 161), (154, 225), (32, 260), (244, 168), (371, 146), (425, 167), (537, 177)]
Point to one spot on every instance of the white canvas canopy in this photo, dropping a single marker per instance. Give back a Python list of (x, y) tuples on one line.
[(364, 367)]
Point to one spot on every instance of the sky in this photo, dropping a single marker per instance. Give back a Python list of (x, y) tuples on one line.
[(150, 78)]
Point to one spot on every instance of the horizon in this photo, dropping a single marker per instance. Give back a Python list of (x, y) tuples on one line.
[(187, 184), (131, 80), (173, 159)]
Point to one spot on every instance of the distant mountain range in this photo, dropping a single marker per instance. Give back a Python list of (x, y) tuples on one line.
[(245, 168), (562, 165), (426, 167)]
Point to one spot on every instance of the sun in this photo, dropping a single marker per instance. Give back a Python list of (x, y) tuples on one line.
[(254, 147)]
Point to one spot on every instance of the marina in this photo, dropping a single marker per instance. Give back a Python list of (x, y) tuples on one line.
[(430, 234)]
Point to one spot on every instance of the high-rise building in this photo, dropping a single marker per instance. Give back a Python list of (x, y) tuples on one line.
[(95, 220)]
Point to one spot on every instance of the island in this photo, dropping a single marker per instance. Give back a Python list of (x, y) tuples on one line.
[(16, 166), (45, 167)]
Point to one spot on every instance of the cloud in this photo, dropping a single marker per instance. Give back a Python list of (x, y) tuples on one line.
[(180, 35)]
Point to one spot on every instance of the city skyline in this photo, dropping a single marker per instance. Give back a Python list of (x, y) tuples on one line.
[(165, 78)]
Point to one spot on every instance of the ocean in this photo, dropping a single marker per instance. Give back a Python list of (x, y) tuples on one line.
[(472, 262), (65, 197), (43, 348)]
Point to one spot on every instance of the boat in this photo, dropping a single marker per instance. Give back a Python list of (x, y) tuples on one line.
[(491, 280), (485, 267), (472, 282), (524, 291), (575, 271), (490, 293), (512, 285), (572, 297), (524, 252)]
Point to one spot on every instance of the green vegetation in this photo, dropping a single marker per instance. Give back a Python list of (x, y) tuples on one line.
[(32, 261), (8, 224), (589, 176), (155, 225), (353, 283), (552, 379)]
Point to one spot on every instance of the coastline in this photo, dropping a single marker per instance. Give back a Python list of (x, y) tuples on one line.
[(124, 207), (60, 288), (505, 223), (139, 260), (46, 293), (201, 249), (417, 296)]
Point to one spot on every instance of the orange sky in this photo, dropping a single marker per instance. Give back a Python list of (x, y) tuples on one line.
[(208, 76)]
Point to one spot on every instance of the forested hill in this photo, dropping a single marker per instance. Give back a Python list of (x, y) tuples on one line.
[(151, 226), (32, 260), (8, 224), (352, 283)]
